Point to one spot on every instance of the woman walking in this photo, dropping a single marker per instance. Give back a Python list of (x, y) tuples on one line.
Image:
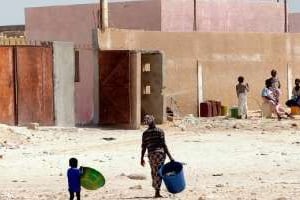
[(154, 142)]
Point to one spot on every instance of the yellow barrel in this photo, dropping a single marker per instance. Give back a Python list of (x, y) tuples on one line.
[(295, 110), (224, 110)]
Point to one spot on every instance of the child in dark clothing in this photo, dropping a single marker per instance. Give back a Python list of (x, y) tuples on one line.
[(74, 178), (295, 100)]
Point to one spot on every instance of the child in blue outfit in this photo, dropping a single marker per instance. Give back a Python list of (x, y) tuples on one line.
[(74, 178)]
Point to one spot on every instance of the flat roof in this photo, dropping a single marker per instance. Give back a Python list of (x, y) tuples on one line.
[(12, 28)]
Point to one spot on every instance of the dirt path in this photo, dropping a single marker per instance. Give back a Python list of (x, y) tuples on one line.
[(225, 159)]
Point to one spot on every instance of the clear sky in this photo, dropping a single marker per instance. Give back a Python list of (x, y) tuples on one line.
[(12, 11)]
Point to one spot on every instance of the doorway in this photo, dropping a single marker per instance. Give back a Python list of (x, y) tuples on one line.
[(130, 86), (152, 99)]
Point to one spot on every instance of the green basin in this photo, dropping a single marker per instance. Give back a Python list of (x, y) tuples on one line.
[(234, 112), (91, 179)]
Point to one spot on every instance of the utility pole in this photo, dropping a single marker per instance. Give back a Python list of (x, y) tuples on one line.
[(195, 16), (103, 15), (286, 21)]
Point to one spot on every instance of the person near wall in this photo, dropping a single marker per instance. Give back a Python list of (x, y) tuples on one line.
[(271, 99), (241, 91), (295, 100), (275, 81), (276, 85), (153, 141)]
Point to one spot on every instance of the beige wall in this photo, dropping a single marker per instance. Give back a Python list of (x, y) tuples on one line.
[(223, 56)]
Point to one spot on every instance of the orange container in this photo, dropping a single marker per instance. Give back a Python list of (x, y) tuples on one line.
[(295, 110)]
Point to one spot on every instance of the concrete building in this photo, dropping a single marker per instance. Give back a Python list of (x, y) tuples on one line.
[(78, 23), (294, 22), (206, 65), (12, 31)]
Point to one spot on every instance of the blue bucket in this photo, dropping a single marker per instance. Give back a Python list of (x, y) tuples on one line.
[(173, 177)]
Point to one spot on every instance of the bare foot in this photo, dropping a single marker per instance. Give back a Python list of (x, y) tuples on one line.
[(157, 194), (290, 116), (279, 117)]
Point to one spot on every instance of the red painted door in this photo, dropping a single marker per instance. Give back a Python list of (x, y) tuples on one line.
[(115, 88), (7, 93), (35, 85)]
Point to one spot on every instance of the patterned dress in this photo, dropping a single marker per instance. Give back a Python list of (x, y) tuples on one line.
[(154, 142), (241, 91)]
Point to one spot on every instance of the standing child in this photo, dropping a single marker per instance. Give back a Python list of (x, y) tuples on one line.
[(241, 91), (74, 178)]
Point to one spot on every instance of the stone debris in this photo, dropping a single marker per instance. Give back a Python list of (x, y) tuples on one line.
[(136, 187), (170, 118), (294, 125), (218, 174), (109, 139), (33, 126), (191, 120), (122, 174), (219, 185), (137, 177)]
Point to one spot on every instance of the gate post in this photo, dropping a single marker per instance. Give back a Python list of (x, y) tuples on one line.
[(135, 83)]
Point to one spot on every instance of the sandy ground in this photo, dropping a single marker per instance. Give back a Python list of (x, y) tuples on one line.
[(224, 159)]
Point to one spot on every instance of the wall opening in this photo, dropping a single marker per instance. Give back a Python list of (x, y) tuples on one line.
[(152, 101), (77, 76)]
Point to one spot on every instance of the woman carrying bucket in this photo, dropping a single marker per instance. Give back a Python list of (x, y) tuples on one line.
[(154, 142)]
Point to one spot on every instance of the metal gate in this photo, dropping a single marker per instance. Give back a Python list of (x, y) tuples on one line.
[(7, 86), (35, 85), (26, 82), (115, 101)]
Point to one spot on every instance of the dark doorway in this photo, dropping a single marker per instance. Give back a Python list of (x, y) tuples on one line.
[(114, 88), (130, 86)]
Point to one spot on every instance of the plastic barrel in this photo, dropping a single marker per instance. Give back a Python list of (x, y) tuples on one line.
[(234, 112), (295, 110), (219, 108), (224, 110), (91, 179), (205, 109), (173, 177)]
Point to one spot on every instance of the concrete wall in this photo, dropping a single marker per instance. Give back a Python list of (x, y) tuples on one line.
[(76, 24), (64, 89), (135, 15), (294, 63), (72, 24), (135, 84), (223, 57), (222, 16), (177, 15), (240, 16), (294, 22)]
